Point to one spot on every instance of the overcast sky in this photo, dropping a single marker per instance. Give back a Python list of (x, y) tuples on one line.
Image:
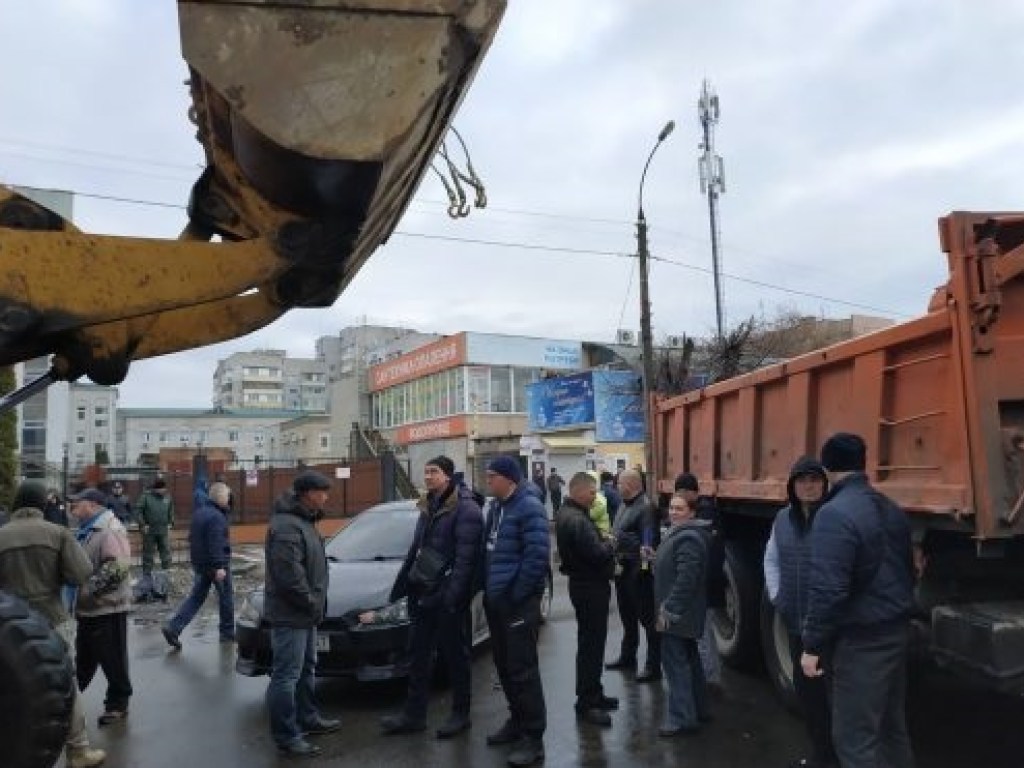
[(847, 129)]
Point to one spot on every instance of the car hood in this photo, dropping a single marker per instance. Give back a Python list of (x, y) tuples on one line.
[(354, 586), (358, 586)]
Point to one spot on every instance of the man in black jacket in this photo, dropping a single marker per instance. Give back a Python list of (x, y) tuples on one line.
[(450, 524), (295, 600), (589, 562), (859, 603), (637, 535), (210, 550)]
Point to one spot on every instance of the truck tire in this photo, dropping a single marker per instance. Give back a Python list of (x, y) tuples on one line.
[(737, 625), (36, 687), (777, 659)]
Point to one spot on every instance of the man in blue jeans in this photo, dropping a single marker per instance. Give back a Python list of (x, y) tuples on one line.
[(295, 600), (210, 549)]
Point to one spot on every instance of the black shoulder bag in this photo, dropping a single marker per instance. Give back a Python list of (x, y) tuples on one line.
[(430, 568)]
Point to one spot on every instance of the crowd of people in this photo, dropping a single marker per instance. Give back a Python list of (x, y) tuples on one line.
[(839, 569)]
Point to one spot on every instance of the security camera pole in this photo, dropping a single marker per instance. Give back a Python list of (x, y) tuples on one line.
[(646, 340)]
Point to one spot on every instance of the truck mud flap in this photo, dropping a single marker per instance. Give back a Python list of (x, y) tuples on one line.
[(983, 642)]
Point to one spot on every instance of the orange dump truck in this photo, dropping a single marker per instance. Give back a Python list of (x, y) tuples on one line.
[(940, 402)]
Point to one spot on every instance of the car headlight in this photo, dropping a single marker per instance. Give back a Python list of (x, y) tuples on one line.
[(395, 613), (249, 613)]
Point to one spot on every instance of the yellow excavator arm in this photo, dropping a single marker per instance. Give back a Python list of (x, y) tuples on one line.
[(318, 119)]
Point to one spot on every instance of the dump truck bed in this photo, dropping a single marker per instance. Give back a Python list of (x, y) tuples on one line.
[(939, 400)]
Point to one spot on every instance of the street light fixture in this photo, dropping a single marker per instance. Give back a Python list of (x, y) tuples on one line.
[(646, 340)]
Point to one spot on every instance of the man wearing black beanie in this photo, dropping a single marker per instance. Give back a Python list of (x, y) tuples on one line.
[(448, 531), (858, 610)]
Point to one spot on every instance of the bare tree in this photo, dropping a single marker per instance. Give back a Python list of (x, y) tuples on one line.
[(673, 367)]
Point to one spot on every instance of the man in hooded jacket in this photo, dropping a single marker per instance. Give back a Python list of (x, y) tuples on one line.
[(787, 563), (450, 524), (295, 602)]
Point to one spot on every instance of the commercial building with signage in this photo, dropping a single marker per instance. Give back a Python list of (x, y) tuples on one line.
[(588, 420), (464, 395)]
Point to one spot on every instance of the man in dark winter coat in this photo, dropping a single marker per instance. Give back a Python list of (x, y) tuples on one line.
[(119, 504), (295, 601), (858, 610), (517, 554), (637, 534), (55, 511), (555, 485), (787, 563), (449, 526), (589, 562), (210, 548)]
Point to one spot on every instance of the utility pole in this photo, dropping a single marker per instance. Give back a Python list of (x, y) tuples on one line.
[(712, 184), (646, 336)]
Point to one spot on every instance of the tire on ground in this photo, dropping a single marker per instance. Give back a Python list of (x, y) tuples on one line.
[(777, 661), (36, 687), (737, 626)]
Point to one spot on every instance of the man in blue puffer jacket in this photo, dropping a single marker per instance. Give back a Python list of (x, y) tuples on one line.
[(210, 548), (858, 610), (449, 524), (517, 552)]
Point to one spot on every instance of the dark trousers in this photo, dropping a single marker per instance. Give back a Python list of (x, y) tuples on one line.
[(202, 581), (158, 542), (438, 632), (687, 691), (514, 630), (556, 500), (102, 643), (590, 600), (634, 593), (869, 687), (813, 696)]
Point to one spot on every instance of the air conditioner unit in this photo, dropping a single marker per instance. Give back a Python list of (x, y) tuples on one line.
[(625, 336), (676, 342)]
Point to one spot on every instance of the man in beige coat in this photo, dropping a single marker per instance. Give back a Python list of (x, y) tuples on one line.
[(36, 559), (103, 603)]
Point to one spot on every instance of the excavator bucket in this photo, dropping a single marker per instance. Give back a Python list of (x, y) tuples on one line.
[(318, 119), (321, 117)]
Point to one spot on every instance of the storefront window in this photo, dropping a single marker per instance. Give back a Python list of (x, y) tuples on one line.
[(445, 393), (479, 389), (522, 377), (459, 390), (501, 390)]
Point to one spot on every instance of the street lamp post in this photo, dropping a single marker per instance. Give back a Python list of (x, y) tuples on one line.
[(646, 338)]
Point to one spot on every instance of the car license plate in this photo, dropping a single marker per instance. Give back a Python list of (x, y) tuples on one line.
[(323, 643)]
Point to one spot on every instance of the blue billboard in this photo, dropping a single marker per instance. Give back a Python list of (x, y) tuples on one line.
[(610, 402), (618, 407), (563, 403)]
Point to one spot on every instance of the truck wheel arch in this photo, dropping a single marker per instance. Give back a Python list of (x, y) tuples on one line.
[(737, 625), (777, 659)]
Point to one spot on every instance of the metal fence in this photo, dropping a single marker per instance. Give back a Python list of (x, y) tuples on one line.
[(356, 486)]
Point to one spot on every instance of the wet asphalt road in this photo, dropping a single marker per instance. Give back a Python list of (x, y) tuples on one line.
[(191, 710)]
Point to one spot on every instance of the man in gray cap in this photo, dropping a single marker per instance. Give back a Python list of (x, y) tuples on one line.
[(296, 598), (36, 559)]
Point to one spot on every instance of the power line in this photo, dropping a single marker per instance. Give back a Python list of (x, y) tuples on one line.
[(629, 288), (541, 248), (698, 239)]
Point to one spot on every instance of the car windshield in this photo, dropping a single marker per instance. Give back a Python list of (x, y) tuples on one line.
[(375, 535)]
